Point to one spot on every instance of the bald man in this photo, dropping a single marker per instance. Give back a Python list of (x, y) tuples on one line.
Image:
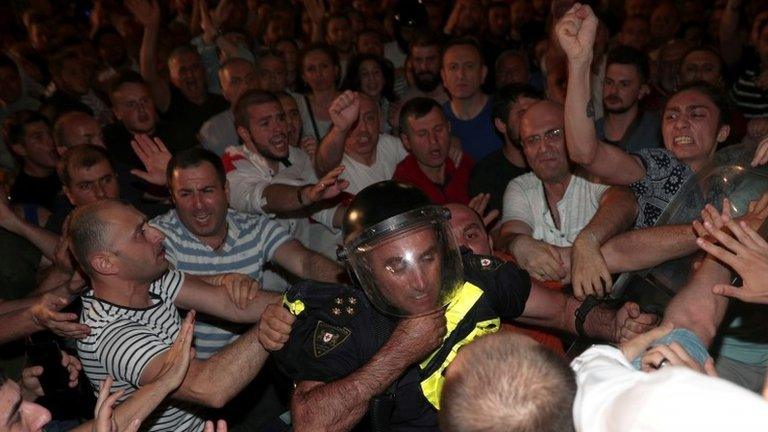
[(76, 128), (552, 206)]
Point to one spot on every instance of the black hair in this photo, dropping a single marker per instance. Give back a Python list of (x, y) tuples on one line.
[(352, 80), (507, 96), (193, 157), (627, 55), (417, 108)]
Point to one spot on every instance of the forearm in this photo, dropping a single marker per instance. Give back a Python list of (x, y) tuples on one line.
[(330, 151), (339, 405), (41, 238), (148, 66), (282, 198), (644, 248), (324, 270), (580, 136), (616, 213), (217, 380), (16, 325), (695, 307), (552, 309)]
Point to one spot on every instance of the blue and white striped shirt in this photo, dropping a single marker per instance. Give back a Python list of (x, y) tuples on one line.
[(251, 242)]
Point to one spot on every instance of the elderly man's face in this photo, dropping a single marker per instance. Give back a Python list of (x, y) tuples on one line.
[(187, 73), (364, 136), (407, 271), (134, 107), (543, 141)]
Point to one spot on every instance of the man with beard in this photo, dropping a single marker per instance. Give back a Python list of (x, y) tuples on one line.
[(625, 124), (492, 174), (270, 176), (424, 61)]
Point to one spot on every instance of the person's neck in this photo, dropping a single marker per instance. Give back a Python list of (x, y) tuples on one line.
[(434, 174), (616, 124), (273, 164), (122, 293), (513, 154), (324, 97), (215, 241), (35, 170), (197, 99), (468, 108), (150, 132), (555, 189), (367, 159)]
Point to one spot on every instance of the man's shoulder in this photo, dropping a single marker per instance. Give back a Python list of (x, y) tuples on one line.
[(526, 181), (332, 335), (234, 158)]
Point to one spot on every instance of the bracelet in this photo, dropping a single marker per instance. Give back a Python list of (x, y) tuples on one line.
[(299, 197), (581, 313)]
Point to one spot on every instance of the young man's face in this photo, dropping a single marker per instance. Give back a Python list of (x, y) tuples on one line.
[(267, 132), (37, 147), (17, 415), (622, 88), (292, 117), (134, 107), (91, 184), (690, 127), (272, 74), (425, 64), (463, 71), (428, 138), (201, 200)]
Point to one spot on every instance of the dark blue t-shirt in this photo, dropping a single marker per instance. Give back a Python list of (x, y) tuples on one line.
[(478, 136)]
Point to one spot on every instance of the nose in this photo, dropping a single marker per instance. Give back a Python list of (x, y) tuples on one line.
[(197, 201), (34, 416), (417, 280), (99, 191)]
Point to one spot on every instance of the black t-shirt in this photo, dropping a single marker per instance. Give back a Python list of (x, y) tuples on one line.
[(492, 175), (335, 332), (189, 115), (35, 190), (118, 141)]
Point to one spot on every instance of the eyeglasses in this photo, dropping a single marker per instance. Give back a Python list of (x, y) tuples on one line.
[(548, 137)]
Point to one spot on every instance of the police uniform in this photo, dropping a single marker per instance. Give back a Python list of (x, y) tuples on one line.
[(337, 330)]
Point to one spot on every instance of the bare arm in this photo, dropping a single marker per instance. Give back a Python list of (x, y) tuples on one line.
[(576, 33), (540, 259), (211, 299), (344, 111), (306, 263), (41, 238), (282, 198), (147, 12), (340, 404), (217, 380), (508, 232), (644, 248)]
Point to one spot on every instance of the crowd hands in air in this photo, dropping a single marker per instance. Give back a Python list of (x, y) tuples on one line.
[(167, 168)]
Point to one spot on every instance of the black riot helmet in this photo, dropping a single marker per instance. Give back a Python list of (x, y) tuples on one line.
[(400, 249), (409, 16)]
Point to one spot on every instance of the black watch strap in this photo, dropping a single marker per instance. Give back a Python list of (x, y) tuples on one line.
[(581, 313)]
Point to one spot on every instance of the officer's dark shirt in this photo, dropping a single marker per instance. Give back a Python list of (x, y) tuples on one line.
[(334, 335)]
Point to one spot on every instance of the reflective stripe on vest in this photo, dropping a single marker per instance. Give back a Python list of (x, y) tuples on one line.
[(457, 310), (295, 307)]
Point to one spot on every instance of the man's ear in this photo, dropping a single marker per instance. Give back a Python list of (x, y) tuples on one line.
[(406, 142), (68, 193), (244, 135), (19, 149), (645, 90), (485, 73), (723, 132), (500, 126), (103, 263)]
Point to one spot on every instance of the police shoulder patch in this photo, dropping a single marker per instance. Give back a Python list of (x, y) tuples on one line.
[(483, 262), (328, 337)]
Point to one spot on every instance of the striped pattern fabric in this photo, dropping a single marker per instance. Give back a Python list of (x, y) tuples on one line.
[(124, 340), (750, 99), (251, 242)]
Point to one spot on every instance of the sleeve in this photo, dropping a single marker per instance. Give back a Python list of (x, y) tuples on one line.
[(596, 192), (274, 235), (246, 190), (126, 348), (516, 205), (506, 285), (168, 286)]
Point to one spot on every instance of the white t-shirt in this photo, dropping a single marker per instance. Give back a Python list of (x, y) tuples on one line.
[(525, 201), (389, 153)]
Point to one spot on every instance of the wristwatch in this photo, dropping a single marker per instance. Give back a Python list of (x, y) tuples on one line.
[(581, 313)]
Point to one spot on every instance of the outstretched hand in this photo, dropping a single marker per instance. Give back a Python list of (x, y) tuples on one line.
[(576, 33), (328, 187), (479, 203), (154, 155)]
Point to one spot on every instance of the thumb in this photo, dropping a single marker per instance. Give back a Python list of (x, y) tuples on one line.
[(633, 347), (633, 310), (141, 174)]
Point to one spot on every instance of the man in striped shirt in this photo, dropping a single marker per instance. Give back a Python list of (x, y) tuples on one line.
[(131, 307)]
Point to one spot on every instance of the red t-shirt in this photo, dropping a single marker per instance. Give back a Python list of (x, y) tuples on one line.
[(455, 189)]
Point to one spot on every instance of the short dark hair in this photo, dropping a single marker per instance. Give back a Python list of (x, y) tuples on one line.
[(508, 384), (426, 38), (352, 80), (630, 56), (417, 108), (715, 94), (82, 156), (194, 157), (507, 96), (88, 232), (181, 50), (464, 41), (126, 77), (249, 99), (15, 125)]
